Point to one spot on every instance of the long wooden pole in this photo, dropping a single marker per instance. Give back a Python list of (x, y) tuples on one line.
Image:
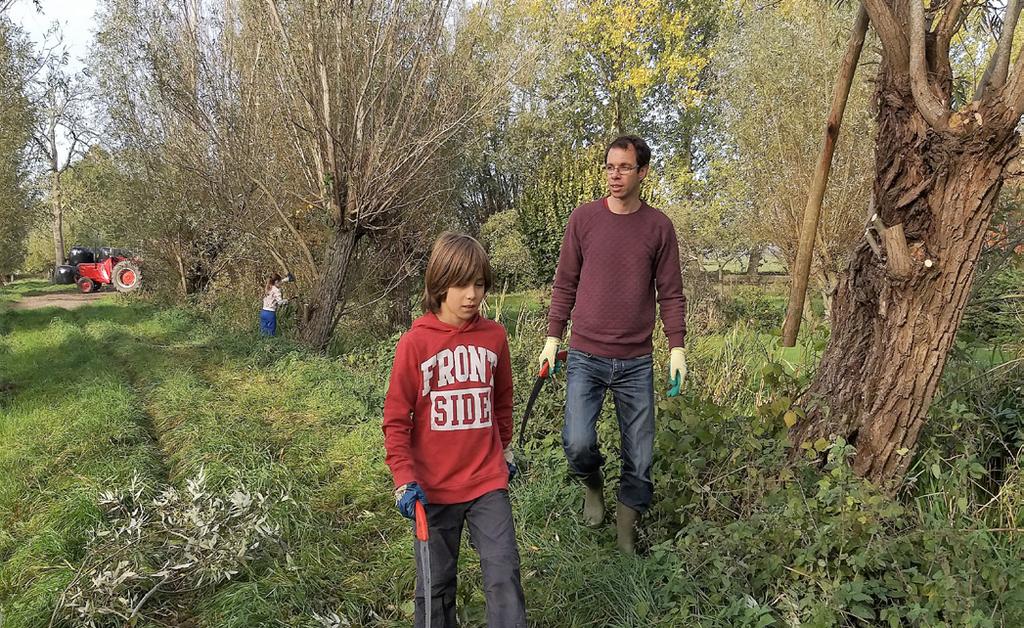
[(801, 271)]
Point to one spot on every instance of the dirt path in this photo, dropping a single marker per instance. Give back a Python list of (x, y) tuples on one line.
[(67, 301)]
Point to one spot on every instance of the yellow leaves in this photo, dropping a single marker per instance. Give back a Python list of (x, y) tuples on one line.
[(641, 78), (637, 46)]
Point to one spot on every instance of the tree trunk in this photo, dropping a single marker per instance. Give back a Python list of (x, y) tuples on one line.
[(58, 218), (399, 310), (893, 325), (754, 261), (182, 274), (329, 291)]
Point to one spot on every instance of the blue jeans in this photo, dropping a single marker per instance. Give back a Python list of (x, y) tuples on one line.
[(268, 322), (632, 384)]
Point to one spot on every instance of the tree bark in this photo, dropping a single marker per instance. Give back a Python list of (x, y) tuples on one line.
[(328, 296), (754, 261), (894, 319)]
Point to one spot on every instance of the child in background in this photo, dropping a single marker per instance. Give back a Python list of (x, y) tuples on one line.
[(447, 429), (272, 299)]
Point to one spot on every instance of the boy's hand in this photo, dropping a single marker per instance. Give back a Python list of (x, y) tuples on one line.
[(510, 460), (405, 499)]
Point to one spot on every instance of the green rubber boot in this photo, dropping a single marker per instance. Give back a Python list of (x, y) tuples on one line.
[(625, 526), (593, 500)]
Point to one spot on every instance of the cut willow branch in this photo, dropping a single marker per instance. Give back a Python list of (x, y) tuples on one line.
[(897, 253), (933, 110), (809, 227)]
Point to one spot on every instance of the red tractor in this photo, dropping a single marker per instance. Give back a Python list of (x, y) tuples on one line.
[(92, 269), (120, 271)]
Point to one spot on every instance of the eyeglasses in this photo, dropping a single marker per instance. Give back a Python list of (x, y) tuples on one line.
[(610, 169)]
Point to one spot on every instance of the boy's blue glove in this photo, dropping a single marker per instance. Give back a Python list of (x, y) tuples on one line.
[(405, 499), (510, 460)]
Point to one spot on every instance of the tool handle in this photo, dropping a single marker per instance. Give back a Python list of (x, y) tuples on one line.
[(422, 533), (560, 358)]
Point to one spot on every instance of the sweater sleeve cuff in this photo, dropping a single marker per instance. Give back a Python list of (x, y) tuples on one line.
[(677, 339), (556, 329)]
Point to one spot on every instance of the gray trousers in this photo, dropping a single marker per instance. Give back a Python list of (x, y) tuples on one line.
[(492, 533)]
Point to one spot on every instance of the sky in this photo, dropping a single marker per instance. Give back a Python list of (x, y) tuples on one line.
[(74, 17)]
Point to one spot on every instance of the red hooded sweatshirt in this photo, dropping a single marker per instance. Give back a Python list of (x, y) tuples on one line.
[(448, 410)]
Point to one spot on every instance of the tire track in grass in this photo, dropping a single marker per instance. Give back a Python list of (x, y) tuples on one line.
[(347, 550), (160, 361), (70, 428)]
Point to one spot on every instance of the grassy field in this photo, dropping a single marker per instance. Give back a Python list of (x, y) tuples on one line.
[(239, 481), (97, 395)]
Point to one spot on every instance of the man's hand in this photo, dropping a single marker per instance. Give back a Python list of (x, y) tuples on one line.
[(676, 370), (510, 460), (405, 499), (549, 354)]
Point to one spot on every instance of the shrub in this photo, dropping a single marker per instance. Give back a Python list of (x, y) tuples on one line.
[(509, 253)]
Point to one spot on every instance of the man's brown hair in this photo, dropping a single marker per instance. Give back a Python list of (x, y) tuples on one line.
[(457, 260), (625, 142)]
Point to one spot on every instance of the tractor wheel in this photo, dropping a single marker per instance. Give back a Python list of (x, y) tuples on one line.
[(126, 276), (86, 285)]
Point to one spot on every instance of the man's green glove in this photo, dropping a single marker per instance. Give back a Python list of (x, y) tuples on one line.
[(676, 370), (549, 354)]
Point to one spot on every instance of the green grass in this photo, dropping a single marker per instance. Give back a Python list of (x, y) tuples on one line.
[(90, 397), (111, 389)]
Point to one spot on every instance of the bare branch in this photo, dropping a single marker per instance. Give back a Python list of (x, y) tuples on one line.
[(935, 112), (1013, 92), (999, 64), (307, 255), (950, 22), (893, 38)]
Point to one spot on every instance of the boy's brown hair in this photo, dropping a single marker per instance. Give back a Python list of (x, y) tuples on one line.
[(457, 259)]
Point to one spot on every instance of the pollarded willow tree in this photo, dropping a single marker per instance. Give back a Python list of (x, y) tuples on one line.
[(938, 171), (378, 95)]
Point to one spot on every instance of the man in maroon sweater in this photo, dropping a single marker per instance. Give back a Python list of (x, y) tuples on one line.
[(619, 257)]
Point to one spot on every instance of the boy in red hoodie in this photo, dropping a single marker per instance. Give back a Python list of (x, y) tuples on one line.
[(447, 428)]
